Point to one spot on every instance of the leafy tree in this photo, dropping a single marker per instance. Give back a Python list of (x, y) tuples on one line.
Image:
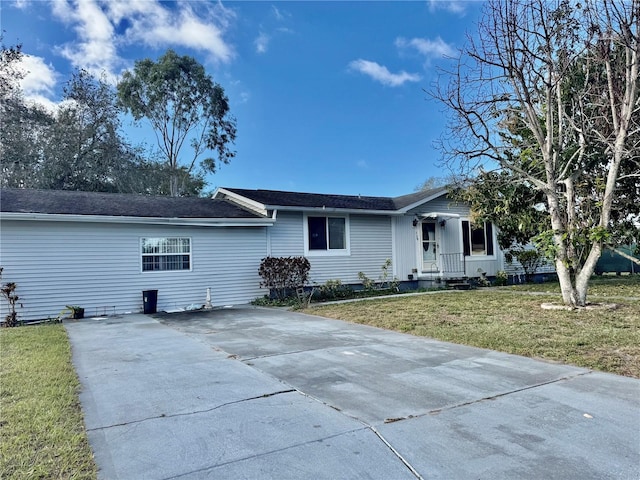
[(23, 124), (80, 146), (183, 104), (10, 76), (548, 92), (85, 149)]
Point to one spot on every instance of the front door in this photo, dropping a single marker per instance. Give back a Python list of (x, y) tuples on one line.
[(429, 247)]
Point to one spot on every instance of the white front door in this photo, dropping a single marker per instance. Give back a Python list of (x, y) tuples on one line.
[(429, 247)]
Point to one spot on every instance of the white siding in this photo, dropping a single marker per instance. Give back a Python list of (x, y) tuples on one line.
[(443, 205), (370, 247), (406, 247), (450, 236), (287, 239), (98, 266), (370, 238)]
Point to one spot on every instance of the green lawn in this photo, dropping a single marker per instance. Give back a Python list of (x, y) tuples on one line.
[(510, 320), (42, 431)]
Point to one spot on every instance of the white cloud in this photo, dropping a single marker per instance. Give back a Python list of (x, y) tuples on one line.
[(429, 48), (21, 4), (95, 50), (147, 22), (39, 80), (454, 6), (277, 13), (262, 42), (157, 26), (362, 164), (381, 74)]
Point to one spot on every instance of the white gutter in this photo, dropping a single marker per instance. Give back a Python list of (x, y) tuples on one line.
[(192, 222), (334, 210)]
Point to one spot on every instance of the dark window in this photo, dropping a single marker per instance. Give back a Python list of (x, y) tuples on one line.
[(317, 233), (327, 233), (477, 240)]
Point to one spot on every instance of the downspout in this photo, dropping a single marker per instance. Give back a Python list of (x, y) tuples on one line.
[(274, 216)]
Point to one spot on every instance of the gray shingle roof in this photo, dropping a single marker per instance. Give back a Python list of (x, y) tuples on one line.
[(273, 198), (116, 204)]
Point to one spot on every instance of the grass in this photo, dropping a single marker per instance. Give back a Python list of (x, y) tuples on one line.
[(513, 322), (42, 432)]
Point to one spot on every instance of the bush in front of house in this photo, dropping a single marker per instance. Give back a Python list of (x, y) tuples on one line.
[(334, 290), (282, 275), (8, 291)]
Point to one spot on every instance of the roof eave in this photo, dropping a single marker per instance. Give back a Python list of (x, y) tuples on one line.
[(192, 222), (247, 203), (289, 208)]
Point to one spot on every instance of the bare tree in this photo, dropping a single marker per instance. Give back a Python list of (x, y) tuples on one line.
[(548, 91)]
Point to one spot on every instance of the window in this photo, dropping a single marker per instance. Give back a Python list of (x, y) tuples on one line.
[(163, 254), (328, 234), (477, 240)]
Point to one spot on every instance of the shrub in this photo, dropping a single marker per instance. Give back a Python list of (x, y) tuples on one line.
[(530, 259), (334, 289), (8, 291), (501, 278), (282, 275)]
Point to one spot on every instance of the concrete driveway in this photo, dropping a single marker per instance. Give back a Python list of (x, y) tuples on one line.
[(250, 393)]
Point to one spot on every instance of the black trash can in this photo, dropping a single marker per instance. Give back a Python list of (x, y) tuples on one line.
[(149, 301)]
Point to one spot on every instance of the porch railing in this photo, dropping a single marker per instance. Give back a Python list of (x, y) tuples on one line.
[(453, 264)]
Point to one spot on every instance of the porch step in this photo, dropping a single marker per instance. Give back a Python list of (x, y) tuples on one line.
[(460, 286), (458, 283)]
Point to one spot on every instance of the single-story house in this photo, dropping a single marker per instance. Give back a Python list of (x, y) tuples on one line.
[(101, 251)]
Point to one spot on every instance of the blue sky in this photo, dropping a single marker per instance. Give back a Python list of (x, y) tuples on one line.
[(328, 96)]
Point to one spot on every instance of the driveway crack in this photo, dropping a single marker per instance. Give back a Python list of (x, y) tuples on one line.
[(195, 412)]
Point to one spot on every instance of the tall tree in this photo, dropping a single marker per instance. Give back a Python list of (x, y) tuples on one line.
[(10, 74), (85, 149), (23, 124), (183, 104), (548, 91)]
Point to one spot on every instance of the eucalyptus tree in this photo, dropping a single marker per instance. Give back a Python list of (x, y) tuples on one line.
[(548, 92), (184, 106)]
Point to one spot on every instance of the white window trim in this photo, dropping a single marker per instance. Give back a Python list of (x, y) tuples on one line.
[(344, 252), (494, 239), (154, 272)]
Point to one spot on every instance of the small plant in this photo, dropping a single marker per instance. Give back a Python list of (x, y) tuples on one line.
[(9, 293), (501, 278), (283, 275), (334, 289), (75, 312), (384, 281), (367, 283), (385, 278), (266, 301)]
